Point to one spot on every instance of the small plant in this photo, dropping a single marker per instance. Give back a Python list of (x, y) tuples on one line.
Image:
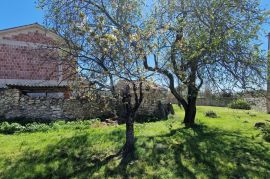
[(240, 104), (11, 128), (7, 128), (58, 124), (211, 114), (36, 127), (266, 133), (251, 114)]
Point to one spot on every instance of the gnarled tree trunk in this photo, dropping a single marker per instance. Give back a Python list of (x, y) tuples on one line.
[(129, 118), (130, 139), (190, 112), (130, 111), (190, 109)]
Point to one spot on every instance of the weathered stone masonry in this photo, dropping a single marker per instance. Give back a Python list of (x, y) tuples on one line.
[(13, 104), (258, 104)]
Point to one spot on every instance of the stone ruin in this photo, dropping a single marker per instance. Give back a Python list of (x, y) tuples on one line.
[(15, 105), (155, 104)]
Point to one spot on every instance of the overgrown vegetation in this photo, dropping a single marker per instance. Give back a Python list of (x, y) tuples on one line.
[(266, 132), (210, 114), (11, 128), (216, 148), (240, 104), (7, 128)]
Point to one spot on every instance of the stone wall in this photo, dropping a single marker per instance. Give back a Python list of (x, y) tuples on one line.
[(206, 101), (155, 100), (152, 99), (210, 101), (257, 104), (15, 105)]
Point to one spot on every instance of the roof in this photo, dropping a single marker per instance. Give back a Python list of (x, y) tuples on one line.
[(5, 83), (22, 26), (36, 26)]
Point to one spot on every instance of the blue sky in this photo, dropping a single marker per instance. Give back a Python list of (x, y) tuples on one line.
[(20, 12)]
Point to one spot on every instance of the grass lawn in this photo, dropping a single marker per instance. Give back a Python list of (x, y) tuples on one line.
[(224, 147)]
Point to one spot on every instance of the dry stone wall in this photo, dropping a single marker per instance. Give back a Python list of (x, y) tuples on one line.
[(155, 101), (210, 101), (15, 105), (152, 99), (258, 104)]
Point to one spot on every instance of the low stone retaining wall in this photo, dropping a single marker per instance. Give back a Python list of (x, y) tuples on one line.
[(15, 105), (258, 104), (221, 102)]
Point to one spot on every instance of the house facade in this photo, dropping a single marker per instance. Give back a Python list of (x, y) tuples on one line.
[(28, 65)]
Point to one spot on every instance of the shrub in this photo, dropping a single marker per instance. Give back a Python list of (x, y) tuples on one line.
[(251, 114), (266, 133), (240, 104), (210, 114), (58, 124), (7, 128), (11, 128), (36, 127)]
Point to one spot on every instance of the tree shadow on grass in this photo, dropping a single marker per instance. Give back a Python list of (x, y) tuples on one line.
[(207, 152), (79, 156), (183, 153), (229, 153)]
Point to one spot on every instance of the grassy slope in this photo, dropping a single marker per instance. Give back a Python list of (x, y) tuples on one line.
[(222, 147)]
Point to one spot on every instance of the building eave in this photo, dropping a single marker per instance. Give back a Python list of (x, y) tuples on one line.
[(25, 28), (5, 83)]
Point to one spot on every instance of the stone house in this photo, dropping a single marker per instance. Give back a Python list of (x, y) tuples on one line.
[(25, 63)]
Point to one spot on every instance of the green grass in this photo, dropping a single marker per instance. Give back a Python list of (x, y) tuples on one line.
[(224, 147)]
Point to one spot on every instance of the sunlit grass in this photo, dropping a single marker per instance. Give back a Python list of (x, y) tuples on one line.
[(228, 146)]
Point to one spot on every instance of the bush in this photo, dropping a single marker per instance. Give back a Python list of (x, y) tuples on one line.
[(240, 104), (251, 114), (210, 114), (266, 133), (11, 128), (36, 127), (58, 124), (7, 128)]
